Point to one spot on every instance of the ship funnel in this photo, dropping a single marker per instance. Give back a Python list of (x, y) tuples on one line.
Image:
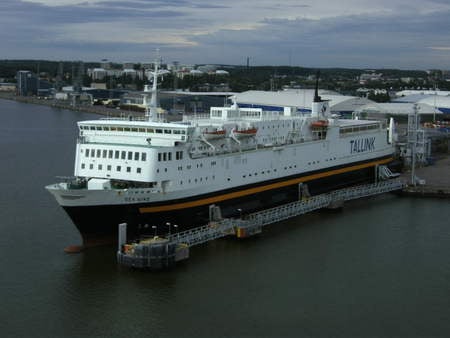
[(317, 98), (320, 108)]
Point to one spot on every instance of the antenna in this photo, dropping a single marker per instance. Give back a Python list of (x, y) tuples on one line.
[(152, 110)]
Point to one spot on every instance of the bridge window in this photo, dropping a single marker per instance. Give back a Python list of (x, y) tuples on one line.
[(179, 155)]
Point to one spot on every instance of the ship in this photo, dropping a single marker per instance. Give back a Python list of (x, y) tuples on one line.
[(153, 174)]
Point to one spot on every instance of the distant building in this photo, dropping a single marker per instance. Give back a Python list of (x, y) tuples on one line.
[(134, 101), (207, 68), (439, 100), (128, 65), (366, 77), (196, 72), (131, 73), (98, 85), (222, 72), (105, 65), (27, 83), (7, 87), (97, 73)]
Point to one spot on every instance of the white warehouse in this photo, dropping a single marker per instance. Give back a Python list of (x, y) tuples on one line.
[(299, 100)]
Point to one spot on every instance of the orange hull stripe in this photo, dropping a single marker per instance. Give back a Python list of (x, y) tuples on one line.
[(250, 191)]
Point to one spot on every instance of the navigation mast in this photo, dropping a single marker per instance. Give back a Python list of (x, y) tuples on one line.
[(151, 113)]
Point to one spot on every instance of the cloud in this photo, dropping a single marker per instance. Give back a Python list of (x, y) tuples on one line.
[(440, 48), (349, 33)]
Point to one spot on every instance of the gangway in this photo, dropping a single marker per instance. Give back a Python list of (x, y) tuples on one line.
[(159, 252)]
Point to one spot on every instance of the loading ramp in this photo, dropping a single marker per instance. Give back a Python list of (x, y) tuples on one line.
[(159, 252)]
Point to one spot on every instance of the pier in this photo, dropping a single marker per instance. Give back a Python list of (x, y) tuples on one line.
[(433, 180), (158, 252)]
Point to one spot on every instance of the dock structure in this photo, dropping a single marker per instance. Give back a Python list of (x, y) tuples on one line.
[(158, 252)]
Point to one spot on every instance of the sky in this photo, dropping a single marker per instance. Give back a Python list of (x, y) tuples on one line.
[(404, 34)]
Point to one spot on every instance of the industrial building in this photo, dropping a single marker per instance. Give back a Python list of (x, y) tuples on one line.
[(439, 99), (299, 100), (29, 84), (397, 109)]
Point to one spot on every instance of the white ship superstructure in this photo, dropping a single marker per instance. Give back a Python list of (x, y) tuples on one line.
[(149, 172)]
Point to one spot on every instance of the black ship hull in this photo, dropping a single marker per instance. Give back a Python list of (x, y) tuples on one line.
[(99, 224)]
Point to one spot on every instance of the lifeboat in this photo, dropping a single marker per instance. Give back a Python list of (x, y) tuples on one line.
[(319, 124), (214, 134), (245, 132)]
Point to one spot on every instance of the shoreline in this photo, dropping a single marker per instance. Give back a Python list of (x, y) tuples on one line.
[(59, 104)]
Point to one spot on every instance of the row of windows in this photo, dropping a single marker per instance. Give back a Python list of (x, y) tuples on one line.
[(197, 180), (352, 129), (109, 168), (273, 139), (168, 156), (135, 129), (116, 154), (199, 165), (273, 126)]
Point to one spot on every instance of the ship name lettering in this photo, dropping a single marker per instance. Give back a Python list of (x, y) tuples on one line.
[(362, 145)]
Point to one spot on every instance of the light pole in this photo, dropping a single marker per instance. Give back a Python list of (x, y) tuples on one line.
[(240, 213), (176, 229), (154, 228), (168, 224)]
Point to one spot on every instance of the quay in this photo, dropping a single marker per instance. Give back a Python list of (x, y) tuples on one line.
[(433, 180), (158, 253)]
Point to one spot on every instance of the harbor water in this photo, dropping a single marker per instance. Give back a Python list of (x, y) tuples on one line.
[(379, 268)]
